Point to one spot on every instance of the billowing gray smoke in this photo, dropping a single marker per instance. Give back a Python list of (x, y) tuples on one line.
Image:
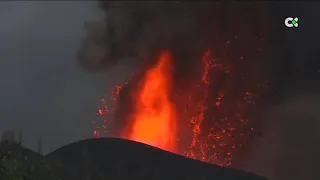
[(140, 30)]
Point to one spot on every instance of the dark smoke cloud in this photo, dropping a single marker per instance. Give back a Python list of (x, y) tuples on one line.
[(141, 29)]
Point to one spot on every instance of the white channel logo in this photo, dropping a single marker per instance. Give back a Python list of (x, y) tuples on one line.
[(291, 22)]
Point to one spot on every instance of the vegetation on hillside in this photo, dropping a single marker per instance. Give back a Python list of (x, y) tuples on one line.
[(19, 163)]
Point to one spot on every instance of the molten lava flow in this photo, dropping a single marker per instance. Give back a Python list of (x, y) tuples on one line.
[(154, 114)]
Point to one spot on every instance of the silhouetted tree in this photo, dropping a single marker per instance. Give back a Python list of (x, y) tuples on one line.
[(39, 148), (9, 136), (20, 141)]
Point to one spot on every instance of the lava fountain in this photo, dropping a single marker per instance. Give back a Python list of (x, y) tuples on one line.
[(212, 135), (153, 118)]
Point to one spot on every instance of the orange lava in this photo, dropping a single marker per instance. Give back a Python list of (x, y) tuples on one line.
[(154, 113)]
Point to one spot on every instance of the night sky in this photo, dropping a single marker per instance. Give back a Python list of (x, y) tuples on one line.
[(43, 93)]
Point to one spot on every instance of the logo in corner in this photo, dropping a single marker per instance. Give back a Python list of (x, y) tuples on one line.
[(291, 22)]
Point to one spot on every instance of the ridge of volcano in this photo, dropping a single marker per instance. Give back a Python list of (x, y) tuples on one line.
[(117, 158)]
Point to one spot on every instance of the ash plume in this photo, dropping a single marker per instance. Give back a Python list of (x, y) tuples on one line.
[(135, 33), (238, 35), (139, 30)]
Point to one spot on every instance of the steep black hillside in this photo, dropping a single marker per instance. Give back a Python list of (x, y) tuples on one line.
[(114, 158)]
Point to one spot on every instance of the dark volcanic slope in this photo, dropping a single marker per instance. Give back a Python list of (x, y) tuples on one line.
[(114, 158)]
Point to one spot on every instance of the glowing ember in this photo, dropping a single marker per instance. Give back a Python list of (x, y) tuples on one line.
[(154, 114), (101, 128), (199, 117)]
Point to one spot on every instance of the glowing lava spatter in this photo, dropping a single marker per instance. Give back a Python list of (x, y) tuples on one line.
[(154, 113), (105, 112), (197, 119)]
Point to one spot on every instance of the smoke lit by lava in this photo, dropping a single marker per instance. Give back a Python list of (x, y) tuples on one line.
[(194, 98)]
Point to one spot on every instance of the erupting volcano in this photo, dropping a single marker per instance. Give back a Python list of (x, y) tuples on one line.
[(195, 123), (154, 114), (199, 98)]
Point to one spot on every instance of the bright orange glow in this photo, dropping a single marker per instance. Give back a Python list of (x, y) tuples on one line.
[(154, 114), (206, 130)]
